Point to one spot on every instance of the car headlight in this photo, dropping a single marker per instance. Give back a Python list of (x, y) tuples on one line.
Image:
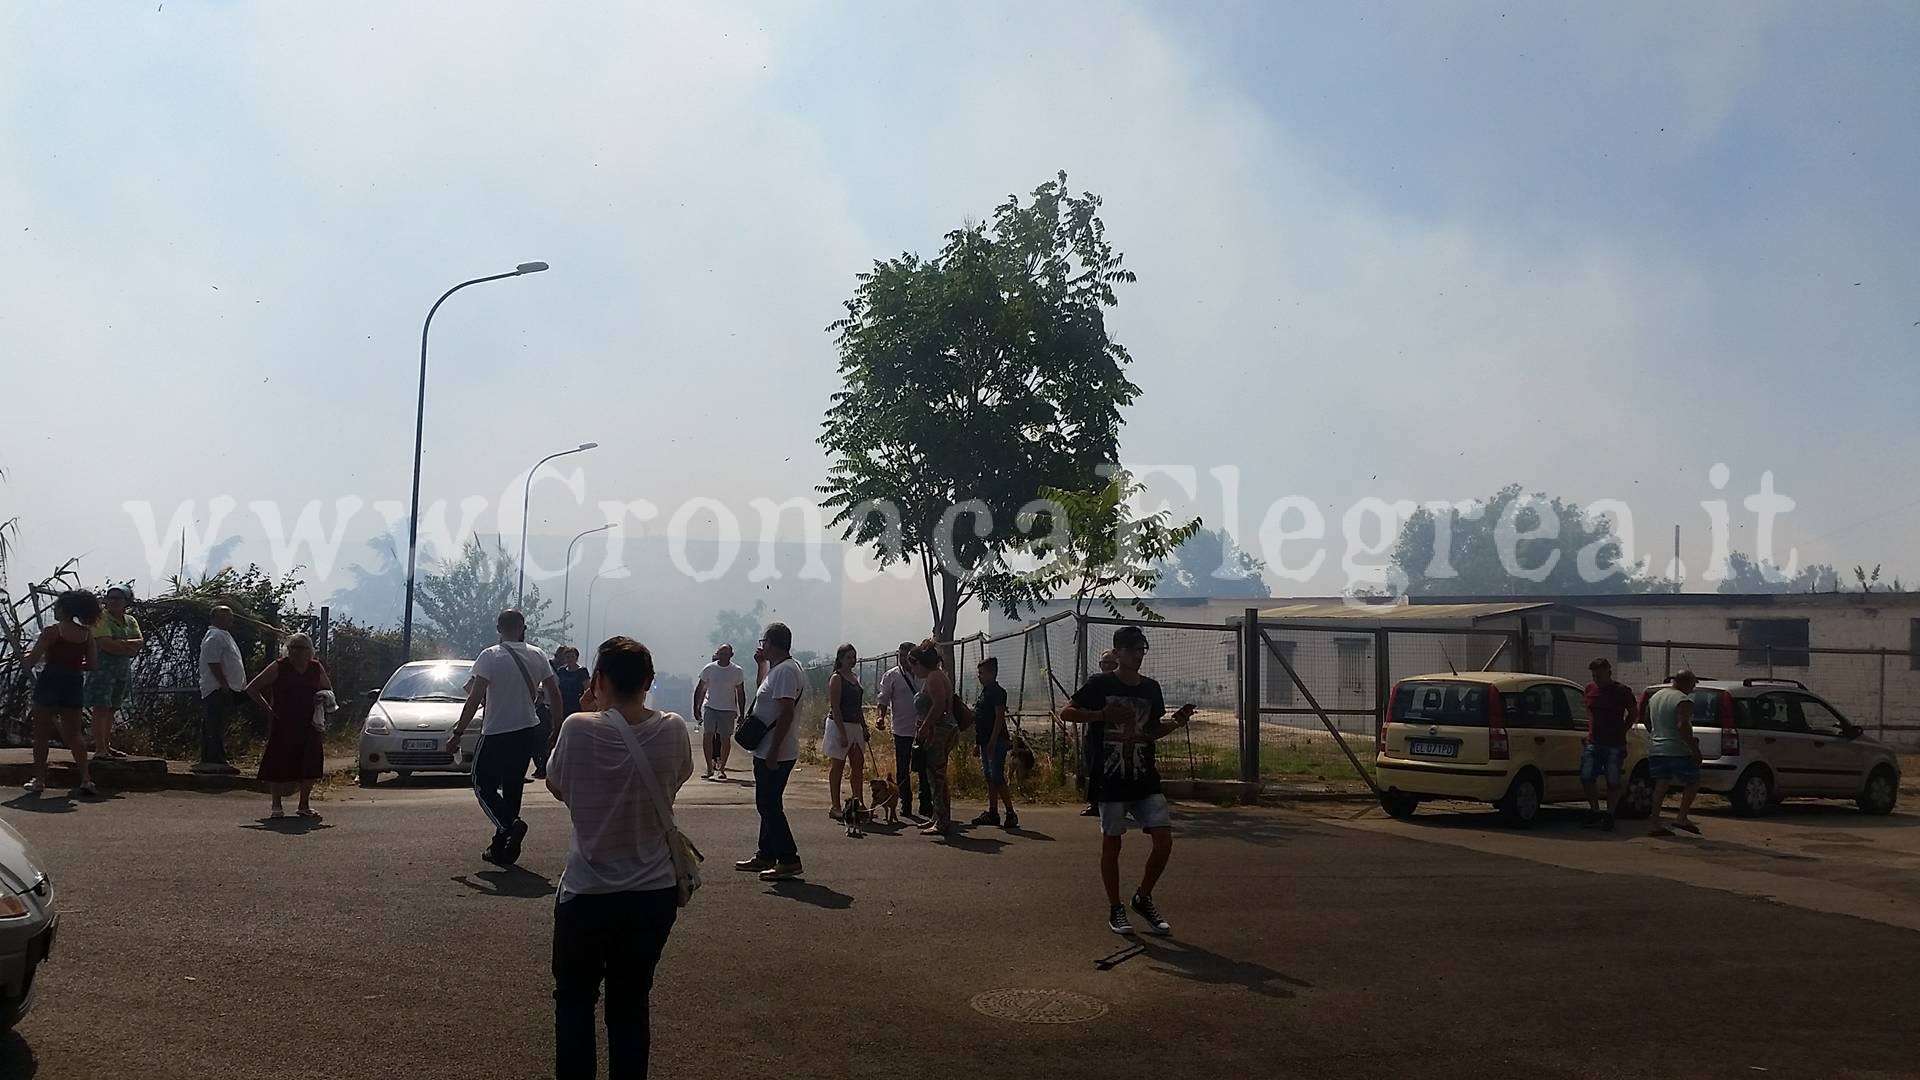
[(12, 907), (377, 724)]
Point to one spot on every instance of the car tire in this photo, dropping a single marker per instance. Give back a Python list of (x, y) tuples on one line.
[(1636, 803), (1521, 805), (1752, 794), (1881, 793), (368, 778), (1398, 804)]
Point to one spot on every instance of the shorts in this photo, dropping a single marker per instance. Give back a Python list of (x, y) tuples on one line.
[(1674, 768), (65, 690), (110, 686), (1596, 761), (1151, 812), (993, 761), (840, 738), (718, 722)]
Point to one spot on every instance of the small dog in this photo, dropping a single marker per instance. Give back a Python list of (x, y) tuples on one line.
[(851, 816), (886, 799)]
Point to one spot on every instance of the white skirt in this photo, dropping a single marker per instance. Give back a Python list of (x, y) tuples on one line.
[(840, 738)]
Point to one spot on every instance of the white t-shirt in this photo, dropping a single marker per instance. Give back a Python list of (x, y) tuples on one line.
[(619, 838), (509, 705), (218, 648), (724, 683), (897, 689), (783, 683)]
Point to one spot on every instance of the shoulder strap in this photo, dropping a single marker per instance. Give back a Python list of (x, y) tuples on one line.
[(533, 693), (645, 770)]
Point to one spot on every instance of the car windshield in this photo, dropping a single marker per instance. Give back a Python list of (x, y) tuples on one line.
[(429, 682), (1452, 704)]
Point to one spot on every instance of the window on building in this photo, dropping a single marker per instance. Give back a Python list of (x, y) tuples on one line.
[(1783, 642), (1356, 669), (1630, 642), (1279, 685)]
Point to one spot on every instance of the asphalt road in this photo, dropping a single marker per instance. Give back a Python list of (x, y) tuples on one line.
[(199, 942)]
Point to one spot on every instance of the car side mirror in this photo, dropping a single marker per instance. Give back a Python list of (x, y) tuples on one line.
[(374, 694), (1851, 732)]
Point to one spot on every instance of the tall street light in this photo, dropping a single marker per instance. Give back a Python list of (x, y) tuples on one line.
[(520, 589), (566, 583), (419, 429)]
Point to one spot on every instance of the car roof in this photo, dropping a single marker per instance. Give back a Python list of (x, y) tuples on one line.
[(436, 663), (1746, 687), (1505, 680)]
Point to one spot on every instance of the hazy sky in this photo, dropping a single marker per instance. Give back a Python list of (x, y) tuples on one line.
[(1412, 251)]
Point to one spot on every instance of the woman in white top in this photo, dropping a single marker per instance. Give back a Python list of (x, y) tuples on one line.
[(617, 771)]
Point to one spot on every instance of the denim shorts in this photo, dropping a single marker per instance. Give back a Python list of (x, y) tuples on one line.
[(1675, 768), (1151, 812), (1596, 761), (993, 761)]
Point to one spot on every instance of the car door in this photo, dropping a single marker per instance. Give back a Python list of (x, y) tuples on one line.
[(1552, 745), (1834, 764), (1570, 738)]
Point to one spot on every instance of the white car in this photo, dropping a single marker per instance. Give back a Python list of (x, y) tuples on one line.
[(28, 923), (407, 728)]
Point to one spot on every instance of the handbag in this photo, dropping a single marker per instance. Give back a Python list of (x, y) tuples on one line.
[(751, 732), (686, 857)]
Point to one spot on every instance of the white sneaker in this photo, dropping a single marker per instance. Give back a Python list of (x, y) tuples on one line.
[(35, 787)]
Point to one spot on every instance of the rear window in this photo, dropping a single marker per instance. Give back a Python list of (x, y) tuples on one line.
[(1708, 707), (1452, 704)]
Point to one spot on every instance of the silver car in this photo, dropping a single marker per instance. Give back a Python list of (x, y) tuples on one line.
[(28, 923), (407, 728)]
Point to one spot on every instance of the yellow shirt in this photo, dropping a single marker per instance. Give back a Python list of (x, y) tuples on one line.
[(121, 629)]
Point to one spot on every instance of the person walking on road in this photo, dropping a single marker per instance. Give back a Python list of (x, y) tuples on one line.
[(776, 704), (1127, 709), (992, 741), (295, 756), (69, 650), (573, 686), (1673, 754), (110, 684), (934, 737), (895, 701), (617, 772), (1090, 747), (718, 700), (223, 679), (845, 740), (507, 678), (1610, 713)]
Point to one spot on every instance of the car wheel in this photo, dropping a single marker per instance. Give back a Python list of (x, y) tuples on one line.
[(368, 778), (1398, 804), (1752, 794), (1522, 803), (1882, 791), (1636, 803)]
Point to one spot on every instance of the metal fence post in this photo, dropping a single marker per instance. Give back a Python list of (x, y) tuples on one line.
[(1382, 679), (1666, 671), (1250, 696), (1882, 721), (323, 648), (1080, 667)]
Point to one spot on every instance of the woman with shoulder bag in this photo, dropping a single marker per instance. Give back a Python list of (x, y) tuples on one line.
[(936, 733), (617, 771)]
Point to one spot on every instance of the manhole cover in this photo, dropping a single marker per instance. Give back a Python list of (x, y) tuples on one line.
[(1039, 1006)]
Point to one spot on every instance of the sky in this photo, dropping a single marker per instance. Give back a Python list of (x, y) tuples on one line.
[(1399, 251)]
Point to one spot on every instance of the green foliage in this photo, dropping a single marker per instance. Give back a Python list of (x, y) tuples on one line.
[(1097, 546), (1209, 564), (1745, 575), (740, 629), (1474, 552), (461, 599), (985, 373), (1870, 582)]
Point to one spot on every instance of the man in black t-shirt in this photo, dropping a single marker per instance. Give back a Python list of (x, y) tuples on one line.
[(1126, 713)]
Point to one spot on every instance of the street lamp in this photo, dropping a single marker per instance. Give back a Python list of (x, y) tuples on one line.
[(566, 582), (590, 587), (419, 429), (520, 590)]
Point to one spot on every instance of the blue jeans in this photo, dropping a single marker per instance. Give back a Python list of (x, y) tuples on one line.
[(993, 761), (769, 797), (1598, 761)]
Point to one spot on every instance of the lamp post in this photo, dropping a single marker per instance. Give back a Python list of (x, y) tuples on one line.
[(419, 429), (566, 583), (520, 589)]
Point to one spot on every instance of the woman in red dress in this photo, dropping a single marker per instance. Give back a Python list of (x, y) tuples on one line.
[(294, 757)]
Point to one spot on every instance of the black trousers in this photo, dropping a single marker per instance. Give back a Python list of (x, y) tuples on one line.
[(616, 939), (216, 716), (499, 777), (542, 740), (904, 772)]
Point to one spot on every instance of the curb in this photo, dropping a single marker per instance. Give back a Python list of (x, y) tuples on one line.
[(138, 777)]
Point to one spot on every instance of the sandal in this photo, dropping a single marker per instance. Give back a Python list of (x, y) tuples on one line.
[(1687, 827), (1659, 830), (309, 813), (277, 813)]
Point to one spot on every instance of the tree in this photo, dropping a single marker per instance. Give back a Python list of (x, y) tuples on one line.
[(1745, 575), (739, 629), (972, 381), (1870, 582), (1096, 547), (1209, 564), (460, 599), (1473, 562)]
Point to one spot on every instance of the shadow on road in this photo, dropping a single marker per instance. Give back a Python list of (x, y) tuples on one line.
[(1029, 834), (288, 826), (975, 845), (42, 804), (1191, 962), (809, 893), (16, 1057), (518, 883), (1264, 830)]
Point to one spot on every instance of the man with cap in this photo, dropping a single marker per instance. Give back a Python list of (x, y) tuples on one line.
[(116, 637), (1610, 712)]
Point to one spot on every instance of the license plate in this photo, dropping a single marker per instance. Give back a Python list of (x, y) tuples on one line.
[(1432, 748), (420, 744)]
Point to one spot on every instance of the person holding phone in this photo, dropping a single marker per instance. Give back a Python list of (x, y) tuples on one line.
[(1127, 712)]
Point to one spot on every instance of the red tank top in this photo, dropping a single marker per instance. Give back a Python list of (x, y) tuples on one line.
[(64, 655)]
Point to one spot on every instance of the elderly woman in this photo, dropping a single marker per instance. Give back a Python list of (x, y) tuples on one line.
[(287, 689), (934, 737)]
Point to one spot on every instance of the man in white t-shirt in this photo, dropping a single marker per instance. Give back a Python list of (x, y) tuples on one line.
[(775, 704), (506, 679), (718, 700), (902, 717), (223, 678)]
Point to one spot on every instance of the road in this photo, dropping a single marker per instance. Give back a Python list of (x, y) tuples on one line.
[(199, 941)]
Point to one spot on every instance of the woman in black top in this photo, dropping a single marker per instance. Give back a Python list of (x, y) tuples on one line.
[(845, 739), (935, 736)]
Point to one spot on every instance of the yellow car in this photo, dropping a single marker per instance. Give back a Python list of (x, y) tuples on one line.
[(1508, 738)]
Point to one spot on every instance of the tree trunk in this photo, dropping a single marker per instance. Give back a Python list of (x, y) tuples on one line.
[(948, 615)]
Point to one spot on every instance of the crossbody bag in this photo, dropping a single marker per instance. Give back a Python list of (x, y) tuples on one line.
[(686, 857)]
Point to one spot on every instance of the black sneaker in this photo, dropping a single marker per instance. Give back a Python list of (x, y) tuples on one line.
[(987, 818), (1012, 820), (515, 837), (1155, 924), (495, 856), (1117, 920), (1606, 822)]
